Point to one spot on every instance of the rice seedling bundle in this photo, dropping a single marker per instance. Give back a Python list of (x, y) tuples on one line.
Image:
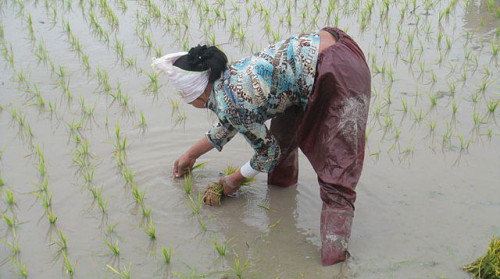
[(488, 265), (213, 194)]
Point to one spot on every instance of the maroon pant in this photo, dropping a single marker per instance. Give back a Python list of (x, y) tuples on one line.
[(331, 133)]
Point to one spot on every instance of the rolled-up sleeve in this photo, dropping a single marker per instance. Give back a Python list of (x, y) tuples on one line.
[(266, 148), (220, 134)]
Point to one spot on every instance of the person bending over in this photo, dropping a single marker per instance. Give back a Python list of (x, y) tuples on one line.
[(315, 88)]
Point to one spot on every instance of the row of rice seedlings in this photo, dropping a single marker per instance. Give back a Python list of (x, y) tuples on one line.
[(44, 193), (128, 175), (46, 198), (96, 27), (109, 14), (143, 124)]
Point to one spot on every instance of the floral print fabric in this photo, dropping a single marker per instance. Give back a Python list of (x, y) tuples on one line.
[(255, 89)]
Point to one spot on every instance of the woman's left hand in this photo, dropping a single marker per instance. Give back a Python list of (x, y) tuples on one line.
[(231, 183)]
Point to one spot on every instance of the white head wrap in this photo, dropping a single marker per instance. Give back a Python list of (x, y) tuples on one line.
[(189, 83)]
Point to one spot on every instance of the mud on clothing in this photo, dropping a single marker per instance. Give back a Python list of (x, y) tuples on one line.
[(331, 133), (255, 89)]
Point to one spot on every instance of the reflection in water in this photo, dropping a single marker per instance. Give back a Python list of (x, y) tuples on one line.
[(481, 17), (266, 234)]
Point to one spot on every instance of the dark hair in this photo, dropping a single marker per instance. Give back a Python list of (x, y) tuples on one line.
[(201, 58)]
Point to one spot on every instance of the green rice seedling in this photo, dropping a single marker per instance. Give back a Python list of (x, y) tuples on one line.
[(75, 127), (153, 85), (120, 146), (131, 62), (22, 80), (145, 211), (181, 118), (143, 124), (88, 112), (239, 268), (123, 5), (150, 229), (120, 160), (2, 183), (489, 133), (404, 104), (114, 248), (453, 88), (188, 183), (274, 224), (81, 162), (51, 216), (221, 248), (29, 131), (68, 267), (22, 268), (483, 86), (88, 175), (397, 133), (10, 221), (167, 254), (42, 168), (93, 190), (417, 117), (174, 104), (388, 121), (478, 120), (202, 223), (103, 204), (195, 205), (41, 52), (138, 195), (46, 200), (83, 150), (492, 105), (117, 132), (37, 95), (62, 242), (85, 62), (147, 42), (103, 79), (9, 197), (128, 175), (121, 272), (112, 228), (494, 47), (433, 100), (9, 56), (118, 47), (158, 51), (454, 107), (75, 44), (475, 96), (464, 145), (14, 248), (31, 31)]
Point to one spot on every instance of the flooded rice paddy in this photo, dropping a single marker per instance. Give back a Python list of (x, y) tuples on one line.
[(88, 136)]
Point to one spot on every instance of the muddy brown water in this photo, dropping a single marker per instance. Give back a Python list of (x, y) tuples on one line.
[(428, 199)]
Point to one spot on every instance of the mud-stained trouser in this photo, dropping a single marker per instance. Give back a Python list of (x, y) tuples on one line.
[(331, 133)]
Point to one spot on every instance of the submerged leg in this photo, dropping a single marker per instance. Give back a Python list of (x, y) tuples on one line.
[(335, 227), (284, 129)]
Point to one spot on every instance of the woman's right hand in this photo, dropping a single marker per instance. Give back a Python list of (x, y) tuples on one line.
[(183, 165)]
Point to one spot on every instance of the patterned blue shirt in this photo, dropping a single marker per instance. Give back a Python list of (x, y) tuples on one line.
[(255, 89)]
